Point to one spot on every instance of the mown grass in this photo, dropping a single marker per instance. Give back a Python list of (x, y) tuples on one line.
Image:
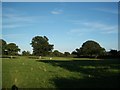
[(61, 72), (0, 73)]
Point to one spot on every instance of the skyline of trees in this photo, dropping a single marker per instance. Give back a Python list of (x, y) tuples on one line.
[(26, 53), (41, 47)]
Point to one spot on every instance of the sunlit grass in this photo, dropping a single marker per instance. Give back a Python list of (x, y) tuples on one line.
[(0, 73), (26, 72)]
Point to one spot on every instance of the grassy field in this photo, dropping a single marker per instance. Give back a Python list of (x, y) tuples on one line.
[(60, 73), (0, 73)]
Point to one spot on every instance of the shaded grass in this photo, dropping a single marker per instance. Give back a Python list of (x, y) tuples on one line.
[(106, 82), (62, 73), (100, 74)]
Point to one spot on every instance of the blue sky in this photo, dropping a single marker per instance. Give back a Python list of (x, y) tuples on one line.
[(67, 25)]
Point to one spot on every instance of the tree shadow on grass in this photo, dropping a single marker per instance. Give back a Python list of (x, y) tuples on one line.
[(86, 83), (84, 65), (97, 73)]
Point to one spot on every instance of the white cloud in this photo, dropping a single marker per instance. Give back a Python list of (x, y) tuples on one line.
[(18, 18), (91, 27), (103, 28), (14, 36), (13, 18), (107, 10), (10, 26), (57, 11), (75, 30), (15, 21)]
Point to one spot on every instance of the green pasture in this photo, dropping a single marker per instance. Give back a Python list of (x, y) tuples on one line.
[(0, 73), (60, 72)]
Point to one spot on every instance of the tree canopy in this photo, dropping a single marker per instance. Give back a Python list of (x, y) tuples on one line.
[(8, 49), (12, 49), (25, 53), (57, 53), (41, 45), (2, 46), (66, 54), (89, 48)]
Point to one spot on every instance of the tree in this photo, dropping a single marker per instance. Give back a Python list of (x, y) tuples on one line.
[(57, 53), (77, 52), (41, 46), (118, 53), (25, 53), (90, 48), (12, 49), (66, 54), (113, 52), (2, 46)]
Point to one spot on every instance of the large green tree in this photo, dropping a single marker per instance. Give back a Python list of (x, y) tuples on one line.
[(3, 45), (41, 45), (90, 48), (12, 49)]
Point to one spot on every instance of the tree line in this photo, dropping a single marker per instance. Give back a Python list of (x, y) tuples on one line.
[(42, 47), (8, 48)]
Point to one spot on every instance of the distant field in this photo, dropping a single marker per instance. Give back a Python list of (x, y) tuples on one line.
[(60, 72)]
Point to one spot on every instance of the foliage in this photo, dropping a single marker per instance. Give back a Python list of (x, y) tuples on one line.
[(8, 49), (66, 54), (12, 49), (113, 52), (2, 46), (57, 53), (41, 46), (118, 53), (89, 48), (25, 53)]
